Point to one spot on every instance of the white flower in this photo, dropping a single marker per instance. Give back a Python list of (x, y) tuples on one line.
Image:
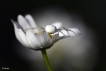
[(30, 35)]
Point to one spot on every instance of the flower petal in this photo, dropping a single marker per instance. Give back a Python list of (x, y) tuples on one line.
[(45, 38), (22, 22), (16, 31), (57, 24), (23, 38), (39, 38), (38, 30), (32, 40), (74, 31), (31, 21), (20, 34), (55, 37), (64, 33)]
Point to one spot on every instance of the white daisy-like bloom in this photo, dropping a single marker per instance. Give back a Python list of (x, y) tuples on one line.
[(30, 35)]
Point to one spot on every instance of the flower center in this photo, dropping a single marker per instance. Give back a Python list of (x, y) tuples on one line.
[(40, 33), (48, 34)]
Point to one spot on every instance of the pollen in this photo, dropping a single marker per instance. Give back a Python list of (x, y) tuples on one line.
[(40, 33)]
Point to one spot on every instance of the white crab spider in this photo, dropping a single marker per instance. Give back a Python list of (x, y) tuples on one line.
[(52, 29)]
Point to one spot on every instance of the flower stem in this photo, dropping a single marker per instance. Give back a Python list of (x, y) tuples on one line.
[(46, 60)]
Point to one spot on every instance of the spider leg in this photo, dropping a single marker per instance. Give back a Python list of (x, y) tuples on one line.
[(61, 32), (72, 31), (66, 30)]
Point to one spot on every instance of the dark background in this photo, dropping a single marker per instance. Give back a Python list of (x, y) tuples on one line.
[(92, 11)]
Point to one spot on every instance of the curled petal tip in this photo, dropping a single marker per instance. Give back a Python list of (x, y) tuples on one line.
[(12, 21), (22, 22), (76, 31), (30, 20), (19, 15), (28, 15)]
